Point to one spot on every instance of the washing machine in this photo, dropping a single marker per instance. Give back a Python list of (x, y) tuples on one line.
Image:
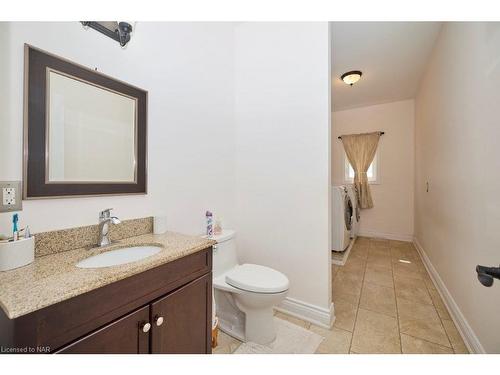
[(341, 218), (356, 211)]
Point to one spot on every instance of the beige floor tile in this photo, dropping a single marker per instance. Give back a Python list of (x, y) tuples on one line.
[(413, 345), (427, 330), (443, 313), (408, 310), (400, 244), (421, 321), (226, 344), (378, 298), (397, 254), (335, 269), (362, 241), (375, 333), (381, 242), (428, 282), (408, 270), (379, 251), (346, 297), (346, 282), (412, 293), (408, 282), (439, 304), (418, 261), (456, 340), (404, 259), (379, 260), (293, 320), (355, 265), (345, 315), (415, 265), (359, 252), (337, 341), (379, 275)]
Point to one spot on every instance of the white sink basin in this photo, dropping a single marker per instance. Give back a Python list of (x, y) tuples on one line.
[(119, 256)]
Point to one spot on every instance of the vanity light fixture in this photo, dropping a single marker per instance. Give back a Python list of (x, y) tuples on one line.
[(119, 31), (350, 78)]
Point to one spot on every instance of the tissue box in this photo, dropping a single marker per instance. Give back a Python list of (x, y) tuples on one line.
[(16, 254)]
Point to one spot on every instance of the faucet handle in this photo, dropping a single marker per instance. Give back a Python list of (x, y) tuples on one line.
[(104, 214)]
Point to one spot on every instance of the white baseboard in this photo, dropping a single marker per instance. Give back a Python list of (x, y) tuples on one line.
[(305, 311), (465, 330), (387, 236)]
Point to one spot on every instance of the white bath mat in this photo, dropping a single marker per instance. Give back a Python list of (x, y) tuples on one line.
[(290, 339)]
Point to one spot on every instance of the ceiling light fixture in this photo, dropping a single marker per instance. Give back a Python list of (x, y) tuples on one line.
[(350, 78)]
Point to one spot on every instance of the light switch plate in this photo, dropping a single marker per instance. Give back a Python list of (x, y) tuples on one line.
[(10, 196)]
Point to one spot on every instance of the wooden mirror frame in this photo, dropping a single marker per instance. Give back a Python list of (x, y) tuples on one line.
[(36, 63)]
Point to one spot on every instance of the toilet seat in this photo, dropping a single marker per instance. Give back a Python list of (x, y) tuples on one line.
[(257, 279)]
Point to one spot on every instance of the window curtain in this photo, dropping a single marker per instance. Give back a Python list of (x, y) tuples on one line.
[(360, 150)]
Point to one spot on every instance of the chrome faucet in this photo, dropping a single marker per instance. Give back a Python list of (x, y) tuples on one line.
[(105, 219)]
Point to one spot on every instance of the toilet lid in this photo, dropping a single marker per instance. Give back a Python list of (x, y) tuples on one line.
[(258, 279)]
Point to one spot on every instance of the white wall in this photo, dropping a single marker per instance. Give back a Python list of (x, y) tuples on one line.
[(282, 113), (392, 214), (252, 98), (188, 70), (457, 133)]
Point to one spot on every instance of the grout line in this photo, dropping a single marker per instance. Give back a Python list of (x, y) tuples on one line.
[(439, 316), (397, 307), (430, 342), (359, 300), (436, 309)]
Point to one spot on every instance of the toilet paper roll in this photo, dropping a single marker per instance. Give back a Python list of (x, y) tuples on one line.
[(159, 224)]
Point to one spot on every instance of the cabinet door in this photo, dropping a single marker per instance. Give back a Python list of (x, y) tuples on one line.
[(124, 336), (182, 321)]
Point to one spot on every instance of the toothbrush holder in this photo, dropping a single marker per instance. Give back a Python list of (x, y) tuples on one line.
[(15, 254)]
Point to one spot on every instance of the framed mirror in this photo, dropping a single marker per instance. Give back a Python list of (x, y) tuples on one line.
[(84, 132)]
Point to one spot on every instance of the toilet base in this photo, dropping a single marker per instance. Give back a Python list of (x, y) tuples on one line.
[(259, 326), (248, 316), (259, 315)]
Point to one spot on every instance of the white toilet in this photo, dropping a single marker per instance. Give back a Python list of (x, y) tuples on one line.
[(245, 294)]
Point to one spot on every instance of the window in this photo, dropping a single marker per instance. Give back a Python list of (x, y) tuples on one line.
[(372, 173)]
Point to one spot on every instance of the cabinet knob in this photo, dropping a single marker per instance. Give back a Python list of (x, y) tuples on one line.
[(159, 320), (145, 327)]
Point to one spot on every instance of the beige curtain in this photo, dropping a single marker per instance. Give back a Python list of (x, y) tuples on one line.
[(360, 150)]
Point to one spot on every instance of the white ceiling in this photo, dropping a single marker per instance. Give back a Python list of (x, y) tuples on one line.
[(391, 55)]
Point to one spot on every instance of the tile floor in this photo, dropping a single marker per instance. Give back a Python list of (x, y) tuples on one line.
[(382, 305)]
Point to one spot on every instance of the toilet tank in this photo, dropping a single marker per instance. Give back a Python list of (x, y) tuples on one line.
[(224, 253)]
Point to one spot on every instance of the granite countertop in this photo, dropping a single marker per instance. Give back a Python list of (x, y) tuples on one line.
[(54, 278)]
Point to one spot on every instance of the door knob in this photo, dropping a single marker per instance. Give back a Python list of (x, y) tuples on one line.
[(158, 320), (487, 274), (145, 327)]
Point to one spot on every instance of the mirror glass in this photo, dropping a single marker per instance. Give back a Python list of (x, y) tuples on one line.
[(91, 132)]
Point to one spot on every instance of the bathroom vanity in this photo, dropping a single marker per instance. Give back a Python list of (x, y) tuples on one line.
[(162, 304), (157, 303)]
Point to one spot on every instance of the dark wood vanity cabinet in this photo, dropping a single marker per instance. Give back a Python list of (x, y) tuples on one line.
[(165, 310), (124, 336), (183, 327), (174, 324)]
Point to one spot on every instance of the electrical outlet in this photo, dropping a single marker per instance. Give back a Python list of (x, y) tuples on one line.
[(11, 196)]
